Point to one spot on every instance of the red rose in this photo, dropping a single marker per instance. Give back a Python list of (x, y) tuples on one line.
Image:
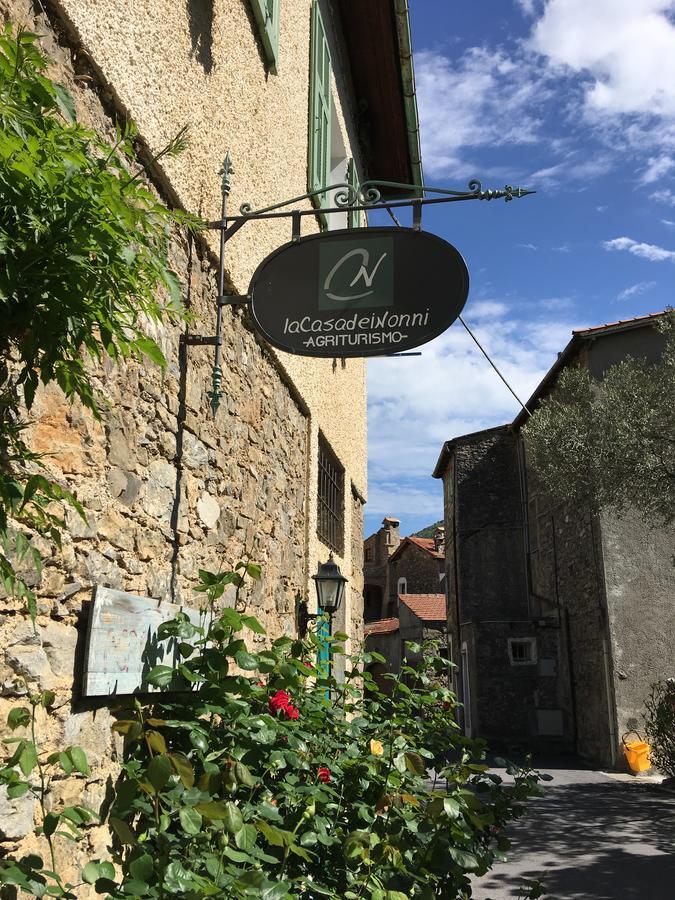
[(323, 774), (281, 701), (278, 701)]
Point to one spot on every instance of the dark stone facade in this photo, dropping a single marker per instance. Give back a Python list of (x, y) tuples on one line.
[(585, 595)]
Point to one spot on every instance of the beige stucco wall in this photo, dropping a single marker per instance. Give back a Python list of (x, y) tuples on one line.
[(151, 53)]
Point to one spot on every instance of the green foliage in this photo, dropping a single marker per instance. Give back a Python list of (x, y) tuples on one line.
[(30, 770), (611, 441), (273, 780), (83, 260), (660, 725), (430, 530)]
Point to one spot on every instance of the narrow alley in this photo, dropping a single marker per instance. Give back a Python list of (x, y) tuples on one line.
[(592, 836)]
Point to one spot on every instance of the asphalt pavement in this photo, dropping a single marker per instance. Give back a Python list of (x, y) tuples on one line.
[(592, 836)]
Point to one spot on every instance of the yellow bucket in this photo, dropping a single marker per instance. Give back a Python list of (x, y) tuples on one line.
[(636, 753)]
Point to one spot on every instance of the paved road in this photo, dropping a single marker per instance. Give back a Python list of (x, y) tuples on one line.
[(592, 836)]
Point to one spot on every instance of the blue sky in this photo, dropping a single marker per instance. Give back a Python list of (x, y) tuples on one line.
[(576, 100)]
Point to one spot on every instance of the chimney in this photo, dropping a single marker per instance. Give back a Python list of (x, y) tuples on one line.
[(392, 537), (439, 539)]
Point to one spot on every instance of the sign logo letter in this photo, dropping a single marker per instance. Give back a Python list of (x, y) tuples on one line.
[(363, 273)]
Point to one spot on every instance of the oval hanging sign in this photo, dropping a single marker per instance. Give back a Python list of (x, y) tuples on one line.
[(362, 292)]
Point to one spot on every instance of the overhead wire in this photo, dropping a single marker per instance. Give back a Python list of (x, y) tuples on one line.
[(475, 340)]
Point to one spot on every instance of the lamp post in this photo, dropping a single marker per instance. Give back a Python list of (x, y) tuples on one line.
[(330, 590)]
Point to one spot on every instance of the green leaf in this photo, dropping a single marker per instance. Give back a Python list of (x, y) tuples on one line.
[(50, 824), (233, 818), (156, 741), (245, 838), (254, 625), (15, 791), (190, 820), (142, 867), (463, 858), (414, 763), (19, 717), (150, 349), (160, 676), (91, 873), (47, 699), (246, 661), (28, 758), (158, 771), (183, 768), (122, 830), (243, 775), (211, 809), (79, 760), (65, 103), (177, 879)]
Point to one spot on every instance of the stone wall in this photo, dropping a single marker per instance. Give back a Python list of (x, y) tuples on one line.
[(168, 489), (421, 570)]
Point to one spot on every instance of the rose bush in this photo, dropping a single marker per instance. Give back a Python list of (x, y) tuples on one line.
[(271, 780)]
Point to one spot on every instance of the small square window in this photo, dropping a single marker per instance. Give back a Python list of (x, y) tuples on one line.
[(522, 651), (330, 519)]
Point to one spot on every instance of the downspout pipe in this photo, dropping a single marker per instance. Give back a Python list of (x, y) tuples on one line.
[(409, 93)]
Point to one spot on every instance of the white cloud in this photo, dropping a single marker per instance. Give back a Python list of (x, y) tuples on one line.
[(554, 303), (625, 49), (487, 309), (417, 403), (636, 289), (638, 248), (563, 248), (487, 98), (528, 246), (668, 222), (657, 167), (665, 196)]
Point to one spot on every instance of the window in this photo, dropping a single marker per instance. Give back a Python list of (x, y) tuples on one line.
[(353, 216), (522, 651), (320, 113), (331, 498), (266, 14), (402, 587)]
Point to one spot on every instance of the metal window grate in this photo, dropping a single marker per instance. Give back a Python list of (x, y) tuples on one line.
[(330, 519)]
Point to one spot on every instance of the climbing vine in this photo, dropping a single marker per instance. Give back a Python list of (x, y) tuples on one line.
[(83, 273)]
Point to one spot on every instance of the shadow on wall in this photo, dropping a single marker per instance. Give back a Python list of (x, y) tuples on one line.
[(601, 840), (200, 16)]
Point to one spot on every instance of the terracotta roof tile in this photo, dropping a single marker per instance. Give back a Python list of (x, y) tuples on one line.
[(635, 320), (428, 607), (383, 626), (426, 544)]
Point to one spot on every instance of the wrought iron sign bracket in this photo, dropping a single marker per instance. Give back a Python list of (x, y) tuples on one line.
[(366, 197)]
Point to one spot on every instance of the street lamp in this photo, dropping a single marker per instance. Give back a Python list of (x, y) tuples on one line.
[(330, 590)]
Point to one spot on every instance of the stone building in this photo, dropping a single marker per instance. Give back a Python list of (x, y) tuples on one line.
[(559, 616), (377, 551), (404, 597), (298, 96)]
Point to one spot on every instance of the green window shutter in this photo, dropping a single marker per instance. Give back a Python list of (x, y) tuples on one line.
[(319, 109), (353, 216), (266, 14)]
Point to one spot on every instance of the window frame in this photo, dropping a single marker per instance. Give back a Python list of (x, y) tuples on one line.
[(524, 641), (330, 498), (267, 16), (320, 112)]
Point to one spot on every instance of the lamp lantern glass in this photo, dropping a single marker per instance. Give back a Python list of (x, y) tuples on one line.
[(330, 586)]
